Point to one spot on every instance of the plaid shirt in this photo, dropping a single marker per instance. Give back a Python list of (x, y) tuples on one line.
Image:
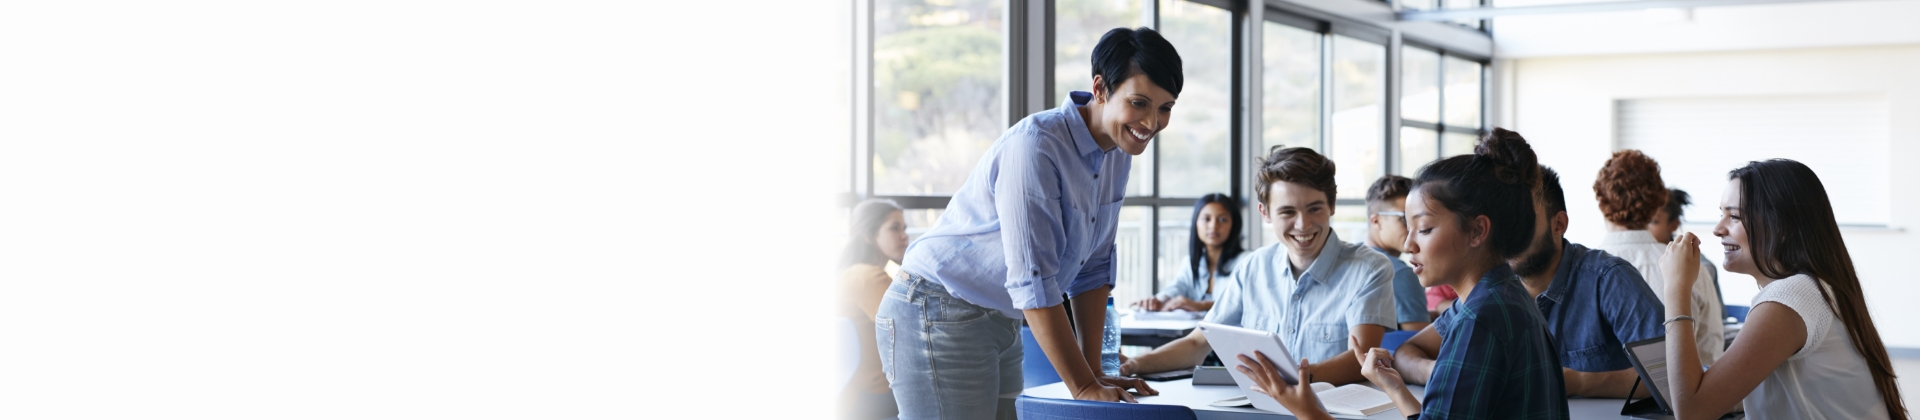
[(1496, 359)]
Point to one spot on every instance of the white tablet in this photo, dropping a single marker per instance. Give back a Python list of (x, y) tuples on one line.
[(1230, 342)]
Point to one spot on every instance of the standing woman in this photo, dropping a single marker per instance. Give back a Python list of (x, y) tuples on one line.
[(1631, 193), (878, 236), (1213, 249), (1469, 215), (1035, 221), (1809, 349)]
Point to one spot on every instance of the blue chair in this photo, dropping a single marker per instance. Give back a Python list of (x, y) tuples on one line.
[(1393, 339), (1033, 363), (1738, 312), (1031, 408)]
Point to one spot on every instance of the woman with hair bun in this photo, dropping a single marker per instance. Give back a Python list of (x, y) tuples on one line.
[(1469, 214)]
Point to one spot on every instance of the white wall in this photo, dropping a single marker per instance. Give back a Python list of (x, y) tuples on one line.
[(1720, 28), (1565, 106)]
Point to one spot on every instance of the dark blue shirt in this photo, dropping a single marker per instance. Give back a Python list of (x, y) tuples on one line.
[(1496, 360), (1409, 299), (1596, 304)]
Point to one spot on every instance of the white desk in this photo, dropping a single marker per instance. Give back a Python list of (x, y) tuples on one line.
[(1197, 397), (1154, 332)]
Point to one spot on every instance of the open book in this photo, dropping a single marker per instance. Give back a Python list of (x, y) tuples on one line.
[(1352, 400)]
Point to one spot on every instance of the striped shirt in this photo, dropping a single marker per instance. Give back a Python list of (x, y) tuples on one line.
[(1496, 360)]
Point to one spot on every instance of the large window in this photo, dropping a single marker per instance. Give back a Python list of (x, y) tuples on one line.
[(1440, 106), (937, 98), (941, 75)]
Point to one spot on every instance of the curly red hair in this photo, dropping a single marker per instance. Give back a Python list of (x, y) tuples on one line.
[(1629, 189)]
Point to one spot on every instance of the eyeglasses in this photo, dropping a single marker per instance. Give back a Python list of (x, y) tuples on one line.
[(1395, 214)]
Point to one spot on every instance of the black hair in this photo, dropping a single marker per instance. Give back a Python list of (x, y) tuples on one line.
[(1677, 201), (1550, 186), (1123, 51), (1496, 181), (1791, 230), (867, 218), (1197, 250)]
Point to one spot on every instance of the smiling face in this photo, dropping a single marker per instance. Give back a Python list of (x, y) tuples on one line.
[(1132, 114), (1439, 248), (1732, 231), (1300, 216), (1213, 224)]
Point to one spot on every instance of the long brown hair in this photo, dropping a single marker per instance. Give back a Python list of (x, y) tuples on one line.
[(1790, 223)]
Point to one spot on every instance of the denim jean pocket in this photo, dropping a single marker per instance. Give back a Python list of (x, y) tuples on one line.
[(883, 343), (951, 310)]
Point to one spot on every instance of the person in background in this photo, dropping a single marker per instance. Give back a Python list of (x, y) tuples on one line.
[(1594, 302), (1213, 249), (1630, 192), (1386, 232), (878, 236), (1470, 214), (1667, 221), (1036, 219), (1317, 293), (1809, 349), (1439, 298)]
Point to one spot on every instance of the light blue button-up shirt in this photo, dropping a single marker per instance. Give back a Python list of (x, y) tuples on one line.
[(1347, 285), (1034, 221)]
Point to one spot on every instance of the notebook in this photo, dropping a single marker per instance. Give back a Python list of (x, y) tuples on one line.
[(1351, 400)]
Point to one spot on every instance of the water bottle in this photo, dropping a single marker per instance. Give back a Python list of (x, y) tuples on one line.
[(1110, 344)]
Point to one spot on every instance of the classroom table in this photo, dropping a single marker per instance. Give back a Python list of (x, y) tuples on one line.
[(1197, 397), (1154, 332)]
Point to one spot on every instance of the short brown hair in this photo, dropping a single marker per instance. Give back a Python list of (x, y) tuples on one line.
[(1298, 165), (1629, 189), (1387, 188)]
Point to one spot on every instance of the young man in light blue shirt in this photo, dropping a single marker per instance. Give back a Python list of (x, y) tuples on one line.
[(1312, 289), (1386, 234), (1033, 222)]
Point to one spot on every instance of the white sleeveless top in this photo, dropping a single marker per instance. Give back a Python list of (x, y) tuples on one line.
[(1826, 379)]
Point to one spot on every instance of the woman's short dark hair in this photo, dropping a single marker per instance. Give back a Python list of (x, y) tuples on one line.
[(1123, 51), (1497, 181), (1791, 230), (867, 218), (1197, 250)]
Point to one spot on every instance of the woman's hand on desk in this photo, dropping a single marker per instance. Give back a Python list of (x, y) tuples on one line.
[(1179, 302), (1098, 390)]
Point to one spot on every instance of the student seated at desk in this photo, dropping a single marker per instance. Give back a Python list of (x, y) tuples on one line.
[(1809, 349), (1667, 220), (879, 236), (1386, 232), (1630, 191), (1469, 214), (1213, 249), (1594, 304), (1312, 289)]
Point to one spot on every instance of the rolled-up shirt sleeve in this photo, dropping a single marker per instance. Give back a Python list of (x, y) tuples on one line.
[(1026, 193)]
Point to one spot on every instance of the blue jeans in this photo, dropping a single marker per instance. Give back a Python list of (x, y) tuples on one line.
[(946, 358)]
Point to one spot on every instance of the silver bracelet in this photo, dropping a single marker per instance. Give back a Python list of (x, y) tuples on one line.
[(1677, 318)]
